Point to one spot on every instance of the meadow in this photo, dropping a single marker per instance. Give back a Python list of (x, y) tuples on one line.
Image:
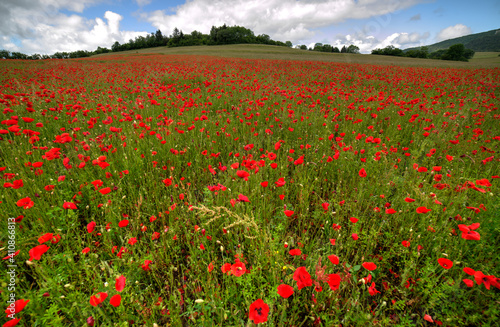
[(168, 189)]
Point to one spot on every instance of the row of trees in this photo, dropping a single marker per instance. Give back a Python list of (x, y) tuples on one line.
[(218, 35), (329, 48), (456, 52)]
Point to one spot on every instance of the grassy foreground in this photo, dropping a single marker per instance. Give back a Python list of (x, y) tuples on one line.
[(180, 190)]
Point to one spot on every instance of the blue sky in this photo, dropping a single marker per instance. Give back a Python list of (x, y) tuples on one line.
[(49, 26)]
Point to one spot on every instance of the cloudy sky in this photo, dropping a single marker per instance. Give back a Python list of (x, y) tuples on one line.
[(49, 26)]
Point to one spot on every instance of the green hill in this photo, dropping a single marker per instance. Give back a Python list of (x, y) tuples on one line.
[(479, 42)]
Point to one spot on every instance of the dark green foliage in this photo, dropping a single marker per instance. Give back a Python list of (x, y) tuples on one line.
[(479, 42), (456, 52)]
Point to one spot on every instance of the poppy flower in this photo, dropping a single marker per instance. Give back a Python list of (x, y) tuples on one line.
[(281, 182), (259, 311), (238, 268), (115, 300), (97, 299), (145, 265), (369, 266), (132, 241), (295, 252), (264, 184), (333, 259), (406, 244), (468, 282), (243, 198), (289, 213), (390, 211), (355, 236), (86, 250), (123, 223), (445, 263), (423, 210), (372, 290), (45, 238), (362, 173), (120, 283), (12, 322), (325, 206), (17, 307), (243, 174), (25, 203), (409, 200), (91, 226), (334, 281), (69, 205), (353, 220), (285, 290), (105, 190), (428, 318), (37, 252), (302, 277)]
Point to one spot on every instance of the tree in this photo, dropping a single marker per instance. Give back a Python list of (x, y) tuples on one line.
[(289, 44), (352, 49), (455, 52), (303, 47), (335, 50), (318, 47), (343, 50)]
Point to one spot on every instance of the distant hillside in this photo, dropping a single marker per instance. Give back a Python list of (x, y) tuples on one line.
[(479, 42)]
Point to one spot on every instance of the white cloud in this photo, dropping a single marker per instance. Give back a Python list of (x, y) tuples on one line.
[(142, 2), (40, 27), (452, 32), (281, 19)]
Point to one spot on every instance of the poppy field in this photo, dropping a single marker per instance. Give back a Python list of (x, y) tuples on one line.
[(169, 190)]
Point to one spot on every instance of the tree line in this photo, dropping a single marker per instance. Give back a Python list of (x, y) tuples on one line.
[(456, 52), (329, 48), (218, 36)]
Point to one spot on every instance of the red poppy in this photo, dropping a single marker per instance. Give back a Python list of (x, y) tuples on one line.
[(242, 174), (289, 213), (16, 307), (353, 220), (406, 244), (45, 238), (97, 299), (325, 206), (295, 252), (468, 282), (334, 281), (26, 203), (132, 241), (37, 252), (123, 223), (407, 199), (86, 250), (362, 173), (264, 184), (423, 210), (445, 263), (333, 259), (243, 198), (145, 265), (285, 290), (258, 311), (372, 290), (49, 188), (12, 322), (69, 205), (355, 236), (238, 268), (105, 190), (115, 300), (428, 318), (281, 182), (91, 226), (120, 283), (302, 277), (369, 266)]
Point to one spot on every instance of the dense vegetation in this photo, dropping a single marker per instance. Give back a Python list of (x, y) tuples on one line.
[(456, 52), (478, 42)]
